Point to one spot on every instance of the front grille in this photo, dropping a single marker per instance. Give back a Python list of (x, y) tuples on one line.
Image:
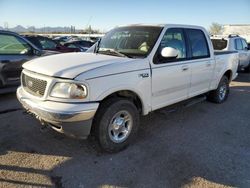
[(34, 86)]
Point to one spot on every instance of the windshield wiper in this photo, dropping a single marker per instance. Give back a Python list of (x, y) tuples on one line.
[(114, 52)]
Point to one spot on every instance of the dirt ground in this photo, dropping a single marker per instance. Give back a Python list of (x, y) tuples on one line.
[(203, 145)]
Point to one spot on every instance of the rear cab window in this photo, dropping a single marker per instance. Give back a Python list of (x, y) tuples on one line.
[(219, 44)]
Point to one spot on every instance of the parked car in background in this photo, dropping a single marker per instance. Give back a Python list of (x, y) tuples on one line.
[(90, 38), (132, 71), (83, 45), (14, 51), (61, 40), (237, 43), (46, 43)]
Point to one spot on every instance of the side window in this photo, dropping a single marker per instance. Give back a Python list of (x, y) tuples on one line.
[(174, 38), (244, 44), (198, 43), (34, 41), (10, 44), (238, 44), (47, 44)]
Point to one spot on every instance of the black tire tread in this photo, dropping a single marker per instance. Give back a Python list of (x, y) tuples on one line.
[(213, 96), (247, 69), (102, 116)]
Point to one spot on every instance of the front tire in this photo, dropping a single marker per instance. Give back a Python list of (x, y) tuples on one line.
[(247, 69), (115, 124), (220, 94)]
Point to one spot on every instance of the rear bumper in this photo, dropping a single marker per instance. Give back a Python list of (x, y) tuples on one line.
[(73, 119)]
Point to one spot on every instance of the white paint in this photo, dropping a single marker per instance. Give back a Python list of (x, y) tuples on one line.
[(103, 75)]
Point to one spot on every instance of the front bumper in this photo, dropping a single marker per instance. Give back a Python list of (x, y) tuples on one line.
[(235, 76), (73, 119)]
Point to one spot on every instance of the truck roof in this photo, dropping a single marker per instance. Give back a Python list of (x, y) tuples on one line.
[(165, 25), (224, 36)]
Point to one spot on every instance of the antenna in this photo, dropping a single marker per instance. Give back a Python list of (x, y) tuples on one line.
[(90, 18)]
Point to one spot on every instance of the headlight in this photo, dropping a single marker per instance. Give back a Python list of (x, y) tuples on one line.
[(69, 91)]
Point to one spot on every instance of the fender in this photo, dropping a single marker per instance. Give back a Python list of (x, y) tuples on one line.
[(146, 108)]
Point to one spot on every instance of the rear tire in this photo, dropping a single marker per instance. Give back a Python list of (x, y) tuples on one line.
[(220, 94), (115, 124)]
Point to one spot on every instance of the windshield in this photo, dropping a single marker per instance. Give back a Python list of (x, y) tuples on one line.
[(219, 44), (132, 41)]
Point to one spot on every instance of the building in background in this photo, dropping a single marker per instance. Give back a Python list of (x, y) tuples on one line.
[(240, 29)]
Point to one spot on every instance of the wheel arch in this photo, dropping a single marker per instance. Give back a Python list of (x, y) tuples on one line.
[(126, 94), (228, 74)]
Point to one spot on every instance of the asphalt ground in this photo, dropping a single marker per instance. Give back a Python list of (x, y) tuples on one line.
[(198, 145)]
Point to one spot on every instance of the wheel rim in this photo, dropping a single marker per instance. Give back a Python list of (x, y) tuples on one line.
[(120, 126), (222, 91)]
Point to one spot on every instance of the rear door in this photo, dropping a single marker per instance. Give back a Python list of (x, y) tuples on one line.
[(13, 53), (243, 53), (246, 51), (201, 63), (170, 77)]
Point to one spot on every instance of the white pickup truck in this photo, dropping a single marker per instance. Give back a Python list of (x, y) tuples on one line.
[(131, 71)]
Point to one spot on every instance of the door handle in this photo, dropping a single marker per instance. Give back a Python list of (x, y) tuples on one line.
[(208, 64), (184, 68)]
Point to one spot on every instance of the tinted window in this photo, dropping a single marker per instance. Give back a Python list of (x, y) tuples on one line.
[(244, 43), (47, 43), (238, 44), (10, 44), (34, 41), (198, 42), (219, 44)]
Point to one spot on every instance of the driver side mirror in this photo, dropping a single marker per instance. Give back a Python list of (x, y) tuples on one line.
[(169, 52)]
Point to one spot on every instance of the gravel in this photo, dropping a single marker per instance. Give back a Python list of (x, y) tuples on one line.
[(200, 145)]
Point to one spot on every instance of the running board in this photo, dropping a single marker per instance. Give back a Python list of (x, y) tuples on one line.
[(183, 104)]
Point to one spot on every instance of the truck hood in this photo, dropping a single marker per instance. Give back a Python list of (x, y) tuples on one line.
[(70, 65)]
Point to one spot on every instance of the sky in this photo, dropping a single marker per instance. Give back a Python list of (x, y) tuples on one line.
[(105, 15)]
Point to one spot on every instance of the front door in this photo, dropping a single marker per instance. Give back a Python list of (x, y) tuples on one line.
[(170, 77)]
